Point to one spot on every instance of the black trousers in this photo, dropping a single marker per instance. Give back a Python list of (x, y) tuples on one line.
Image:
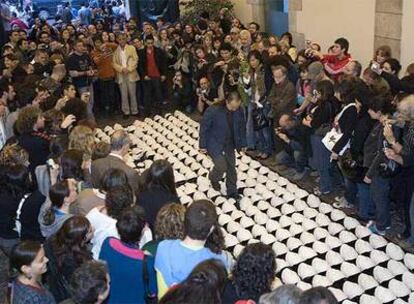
[(107, 95), (152, 91), (225, 163)]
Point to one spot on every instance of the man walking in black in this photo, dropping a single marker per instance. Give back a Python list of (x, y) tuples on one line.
[(222, 131)]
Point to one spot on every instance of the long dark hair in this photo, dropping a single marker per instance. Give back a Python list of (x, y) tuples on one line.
[(347, 91), (326, 90), (254, 271), (161, 175), (57, 194), (202, 286), (117, 199), (70, 241), (16, 181), (71, 164), (113, 177)]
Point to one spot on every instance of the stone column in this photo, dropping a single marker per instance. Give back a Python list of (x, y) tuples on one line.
[(298, 38), (258, 11), (388, 25)]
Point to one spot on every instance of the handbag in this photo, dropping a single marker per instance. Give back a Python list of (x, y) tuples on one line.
[(148, 297), (351, 169), (387, 168), (261, 115), (325, 127), (260, 120), (335, 134)]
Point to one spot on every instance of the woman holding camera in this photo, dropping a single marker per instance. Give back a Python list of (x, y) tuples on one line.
[(258, 130), (378, 175), (319, 119), (402, 152)]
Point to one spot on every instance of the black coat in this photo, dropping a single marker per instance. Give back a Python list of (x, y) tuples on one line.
[(152, 200), (160, 60), (37, 145)]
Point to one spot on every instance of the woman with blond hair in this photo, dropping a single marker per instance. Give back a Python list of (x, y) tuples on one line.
[(169, 225), (82, 138)]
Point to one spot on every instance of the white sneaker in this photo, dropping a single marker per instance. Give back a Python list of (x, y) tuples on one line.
[(342, 203)]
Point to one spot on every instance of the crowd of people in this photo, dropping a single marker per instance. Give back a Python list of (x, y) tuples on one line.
[(81, 226)]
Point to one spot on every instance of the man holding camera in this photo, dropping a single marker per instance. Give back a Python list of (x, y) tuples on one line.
[(290, 135), (181, 92), (335, 62), (207, 96)]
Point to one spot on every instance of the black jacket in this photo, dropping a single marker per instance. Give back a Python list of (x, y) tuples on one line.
[(152, 200), (362, 129), (405, 84), (160, 61), (347, 125)]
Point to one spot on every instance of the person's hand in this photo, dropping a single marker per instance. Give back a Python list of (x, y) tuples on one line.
[(163, 78), (367, 180), (204, 151), (376, 67), (390, 154), (388, 134), (219, 63), (307, 121), (334, 156), (61, 103), (125, 70), (68, 121), (86, 164), (7, 73), (283, 137), (297, 111), (90, 73), (146, 77), (2, 110)]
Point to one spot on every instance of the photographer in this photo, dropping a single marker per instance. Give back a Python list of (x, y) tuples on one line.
[(402, 152), (207, 96), (379, 175), (182, 92), (290, 134), (334, 63)]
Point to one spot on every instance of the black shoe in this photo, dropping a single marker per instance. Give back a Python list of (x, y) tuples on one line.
[(125, 116), (215, 185), (237, 197)]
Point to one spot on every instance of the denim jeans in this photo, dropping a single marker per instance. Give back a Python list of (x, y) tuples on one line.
[(351, 191), (380, 194), (321, 158), (297, 160), (250, 134), (366, 207), (264, 140), (411, 238)]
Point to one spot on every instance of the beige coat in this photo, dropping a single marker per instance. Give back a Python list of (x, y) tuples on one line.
[(132, 63)]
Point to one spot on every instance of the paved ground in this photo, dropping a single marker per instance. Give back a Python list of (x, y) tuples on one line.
[(308, 184)]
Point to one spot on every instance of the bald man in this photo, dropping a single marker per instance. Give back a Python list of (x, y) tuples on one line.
[(120, 143)]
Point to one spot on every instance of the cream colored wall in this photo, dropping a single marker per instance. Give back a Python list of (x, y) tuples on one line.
[(407, 38), (243, 11), (325, 20)]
